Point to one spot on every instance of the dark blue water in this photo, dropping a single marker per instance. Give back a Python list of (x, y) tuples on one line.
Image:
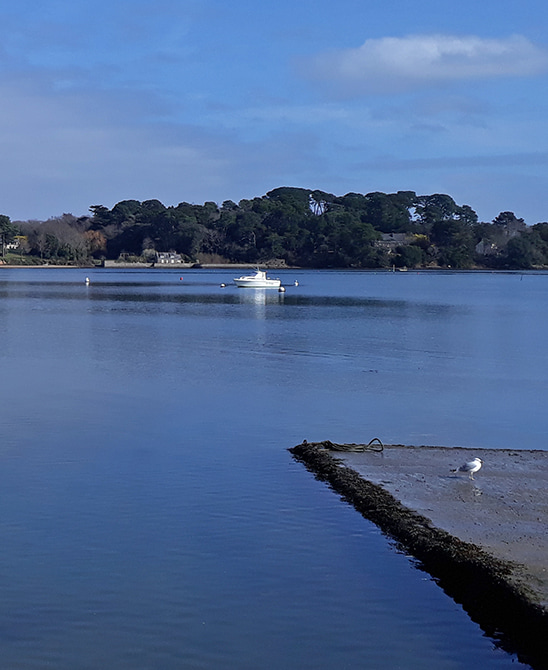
[(151, 516)]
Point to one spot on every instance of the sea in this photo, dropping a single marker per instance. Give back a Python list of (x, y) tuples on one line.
[(152, 517)]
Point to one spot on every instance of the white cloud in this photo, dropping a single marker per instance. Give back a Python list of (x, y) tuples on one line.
[(393, 63)]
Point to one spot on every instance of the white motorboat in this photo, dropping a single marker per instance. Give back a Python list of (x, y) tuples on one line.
[(257, 280)]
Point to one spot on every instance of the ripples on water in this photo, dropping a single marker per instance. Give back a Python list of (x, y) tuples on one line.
[(151, 514)]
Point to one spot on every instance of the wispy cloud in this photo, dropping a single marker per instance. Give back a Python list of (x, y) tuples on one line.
[(501, 161), (71, 149), (275, 115), (398, 63)]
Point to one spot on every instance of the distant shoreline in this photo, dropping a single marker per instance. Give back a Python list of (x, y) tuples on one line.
[(113, 265), (44, 267), (151, 266)]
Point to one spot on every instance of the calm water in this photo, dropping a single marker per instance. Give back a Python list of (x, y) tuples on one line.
[(152, 517)]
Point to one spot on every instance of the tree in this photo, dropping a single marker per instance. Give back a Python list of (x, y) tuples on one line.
[(506, 218), (96, 241), (521, 253), (7, 232), (301, 226), (387, 213), (410, 256), (528, 249), (100, 215), (124, 213), (60, 239)]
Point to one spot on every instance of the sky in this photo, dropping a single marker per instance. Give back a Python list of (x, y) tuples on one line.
[(209, 100)]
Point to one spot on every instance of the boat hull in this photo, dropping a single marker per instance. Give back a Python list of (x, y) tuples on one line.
[(250, 283), (258, 280)]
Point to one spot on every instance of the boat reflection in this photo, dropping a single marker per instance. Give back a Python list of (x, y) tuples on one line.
[(260, 298)]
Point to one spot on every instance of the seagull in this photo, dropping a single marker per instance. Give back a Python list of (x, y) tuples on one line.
[(472, 466)]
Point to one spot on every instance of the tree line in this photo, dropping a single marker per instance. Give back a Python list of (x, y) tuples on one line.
[(292, 226)]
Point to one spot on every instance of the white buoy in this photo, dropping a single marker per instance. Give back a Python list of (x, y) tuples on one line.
[(295, 283), (87, 280), (281, 289), (223, 285)]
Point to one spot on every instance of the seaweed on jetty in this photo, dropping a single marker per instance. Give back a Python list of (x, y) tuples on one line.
[(481, 583)]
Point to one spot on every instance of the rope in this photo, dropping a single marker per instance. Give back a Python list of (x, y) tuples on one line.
[(374, 445)]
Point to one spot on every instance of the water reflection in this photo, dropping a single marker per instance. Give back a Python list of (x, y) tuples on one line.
[(259, 298), (148, 497)]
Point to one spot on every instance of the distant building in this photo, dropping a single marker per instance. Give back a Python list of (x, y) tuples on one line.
[(17, 242), (391, 241), (486, 248), (317, 207), (168, 258)]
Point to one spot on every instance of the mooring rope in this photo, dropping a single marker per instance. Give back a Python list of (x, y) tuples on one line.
[(374, 445)]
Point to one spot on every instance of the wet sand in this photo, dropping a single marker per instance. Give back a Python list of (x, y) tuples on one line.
[(485, 540)]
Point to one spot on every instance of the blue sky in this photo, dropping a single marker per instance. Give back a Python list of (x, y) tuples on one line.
[(196, 100)]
